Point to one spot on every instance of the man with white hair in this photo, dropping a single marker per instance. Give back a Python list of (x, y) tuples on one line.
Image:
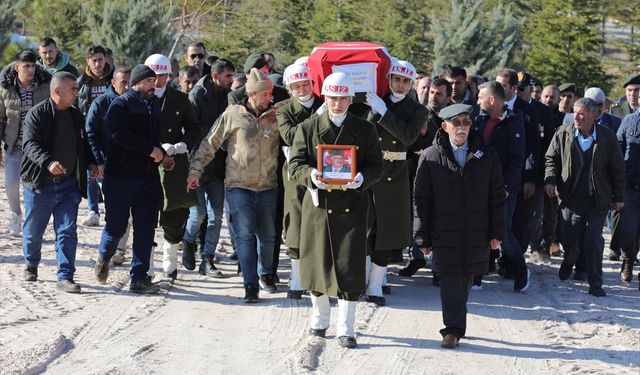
[(605, 119), (333, 230), (290, 113)]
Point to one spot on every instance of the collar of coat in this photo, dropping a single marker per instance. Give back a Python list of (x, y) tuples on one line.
[(442, 143), (347, 134), (8, 76)]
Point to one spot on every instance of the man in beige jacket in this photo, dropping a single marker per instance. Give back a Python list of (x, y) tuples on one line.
[(251, 132)]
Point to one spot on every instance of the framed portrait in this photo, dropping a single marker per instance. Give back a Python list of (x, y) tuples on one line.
[(337, 163)]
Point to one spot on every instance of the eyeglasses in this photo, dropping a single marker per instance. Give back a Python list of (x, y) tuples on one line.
[(198, 55), (458, 123)]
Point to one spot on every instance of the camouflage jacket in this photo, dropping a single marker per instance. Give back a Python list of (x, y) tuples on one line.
[(252, 158)]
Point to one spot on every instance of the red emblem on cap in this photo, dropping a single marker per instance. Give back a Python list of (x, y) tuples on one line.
[(337, 89)]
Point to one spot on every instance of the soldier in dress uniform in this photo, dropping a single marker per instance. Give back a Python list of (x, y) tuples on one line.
[(398, 120), (291, 112), (333, 230), (180, 133)]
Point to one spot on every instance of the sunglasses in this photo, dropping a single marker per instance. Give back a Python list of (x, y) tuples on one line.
[(198, 55)]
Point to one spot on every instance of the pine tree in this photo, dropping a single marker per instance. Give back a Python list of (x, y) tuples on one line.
[(133, 29), (468, 37), (7, 19), (565, 44)]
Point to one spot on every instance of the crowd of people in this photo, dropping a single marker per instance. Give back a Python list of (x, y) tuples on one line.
[(464, 172)]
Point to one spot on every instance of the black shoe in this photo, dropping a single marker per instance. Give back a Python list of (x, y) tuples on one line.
[(233, 257), (102, 270), (30, 273), (396, 257), (143, 287), (189, 255), (251, 294), (626, 273), (521, 283), (380, 301), (67, 285), (386, 289), (598, 292), (267, 284), (614, 255), (275, 278), (565, 271), (413, 267), (317, 332), (294, 294), (348, 342), (208, 268), (494, 254), (580, 275), (172, 276), (436, 279)]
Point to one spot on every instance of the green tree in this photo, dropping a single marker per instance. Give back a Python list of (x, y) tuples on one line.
[(7, 21), (133, 29), (480, 42), (61, 20), (565, 44)]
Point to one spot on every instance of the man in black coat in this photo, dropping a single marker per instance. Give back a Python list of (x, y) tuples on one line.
[(459, 203), (55, 158)]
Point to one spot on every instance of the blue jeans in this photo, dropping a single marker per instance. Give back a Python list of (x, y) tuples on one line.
[(139, 197), (511, 252), (211, 202), (93, 193), (60, 199), (232, 233), (254, 222), (12, 180)]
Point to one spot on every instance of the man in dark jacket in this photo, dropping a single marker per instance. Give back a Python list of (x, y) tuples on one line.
[(99, 136), (132, 182), (504, 131), (55, 159), (460, 203), (629, 225), (584, 167), (209, 100)]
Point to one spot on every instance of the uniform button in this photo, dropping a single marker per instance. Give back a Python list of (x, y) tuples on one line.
[(329, 211), (328, 190), (388, 178), (380, 139), (394, 142), (169, 130), (177, 113), (346, 210)]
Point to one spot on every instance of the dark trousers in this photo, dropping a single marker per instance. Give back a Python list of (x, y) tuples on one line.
[(524, 220), (629, 224), (583, 233), (381, 257), (513, 258), (172, 223), (536, 239), (550, 221), (617, 238), (138, 197), (454, 293), (279, 226)]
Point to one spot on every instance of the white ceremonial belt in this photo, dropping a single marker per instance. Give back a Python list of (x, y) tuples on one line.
[(391, 156)]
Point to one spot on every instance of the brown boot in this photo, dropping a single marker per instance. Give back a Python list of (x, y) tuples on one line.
[(450, 341), (626, 272)]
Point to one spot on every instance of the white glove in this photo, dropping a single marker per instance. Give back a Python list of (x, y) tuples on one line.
[(180, 148), (356, 183), (322, 109), (169, 148), (314, 178), (376, 103)]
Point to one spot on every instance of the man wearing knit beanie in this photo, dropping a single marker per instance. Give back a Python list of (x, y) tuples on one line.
[(251, 131), (131, 177), (256, 60)]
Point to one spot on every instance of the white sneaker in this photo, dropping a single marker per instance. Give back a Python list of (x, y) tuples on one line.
[(92, 220), (476, 287), (15, 225)]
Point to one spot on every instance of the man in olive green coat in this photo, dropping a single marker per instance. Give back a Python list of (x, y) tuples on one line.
[(398, 120), (291, 112), (180, 133), (333, 231)]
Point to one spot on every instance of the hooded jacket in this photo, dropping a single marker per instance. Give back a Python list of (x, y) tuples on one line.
[(10, 101), (63, 64), (87, 81)]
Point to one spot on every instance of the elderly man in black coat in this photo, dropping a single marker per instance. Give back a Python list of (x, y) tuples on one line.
[(460, 212)]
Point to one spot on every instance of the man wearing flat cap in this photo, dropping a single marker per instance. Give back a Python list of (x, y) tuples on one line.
[(459, 202), (251, 132), (630, 102)]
